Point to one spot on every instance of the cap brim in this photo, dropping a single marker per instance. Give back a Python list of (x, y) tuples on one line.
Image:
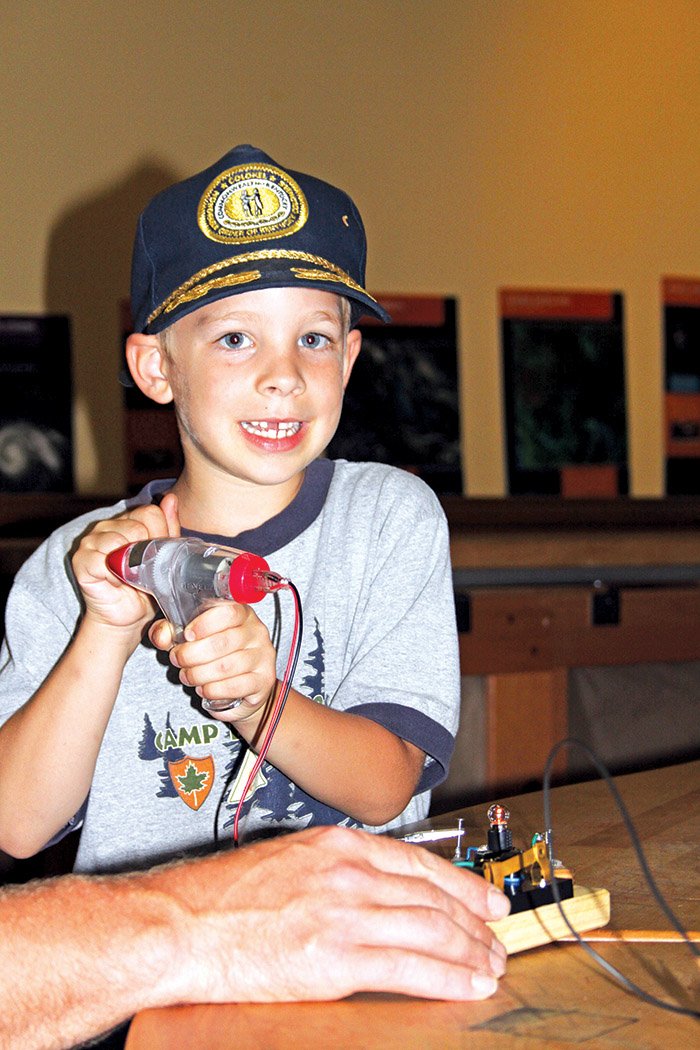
[(257, 275)]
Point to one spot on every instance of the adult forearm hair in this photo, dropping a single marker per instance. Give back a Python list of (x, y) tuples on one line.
[(79, 955)]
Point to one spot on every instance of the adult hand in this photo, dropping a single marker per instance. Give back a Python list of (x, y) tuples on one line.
[(314, 915), (326, 912)]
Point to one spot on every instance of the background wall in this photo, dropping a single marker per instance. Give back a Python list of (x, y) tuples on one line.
[(487, 142)]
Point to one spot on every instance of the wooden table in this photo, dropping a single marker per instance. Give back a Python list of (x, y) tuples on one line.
[(554, 996)]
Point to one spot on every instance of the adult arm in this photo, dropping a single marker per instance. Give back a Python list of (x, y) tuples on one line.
[(316, 915)]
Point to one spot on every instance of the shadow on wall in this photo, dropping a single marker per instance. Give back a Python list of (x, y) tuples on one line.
[(87, 275)]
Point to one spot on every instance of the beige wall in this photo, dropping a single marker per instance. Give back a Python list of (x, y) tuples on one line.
[(487, 142)]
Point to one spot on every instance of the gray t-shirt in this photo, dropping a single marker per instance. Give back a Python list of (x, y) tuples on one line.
[(367, 548)]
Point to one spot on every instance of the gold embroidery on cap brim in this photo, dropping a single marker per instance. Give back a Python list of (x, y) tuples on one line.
[(219, 282), (259, 256), (323, 275)]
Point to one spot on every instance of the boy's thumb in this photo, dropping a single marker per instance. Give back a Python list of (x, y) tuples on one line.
[(169, 506), (161, 634)]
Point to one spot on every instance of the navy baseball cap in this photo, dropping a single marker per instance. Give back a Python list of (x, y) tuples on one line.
[(242, 224)]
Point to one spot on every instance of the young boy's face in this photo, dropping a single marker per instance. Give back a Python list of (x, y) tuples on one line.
[(258, 381)]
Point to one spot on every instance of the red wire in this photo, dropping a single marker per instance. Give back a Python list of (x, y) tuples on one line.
[(276, 713)]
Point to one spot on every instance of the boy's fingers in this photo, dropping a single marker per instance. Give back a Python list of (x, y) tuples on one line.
[(220, 617), (169, 506), (161, 634), (145, 522)]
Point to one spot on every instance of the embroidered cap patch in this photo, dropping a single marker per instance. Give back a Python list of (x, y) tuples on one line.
[(251, 202)]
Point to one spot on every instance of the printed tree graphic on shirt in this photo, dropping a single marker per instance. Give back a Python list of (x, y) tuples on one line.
[(147, 747), (235, 752), (148, 752), (313, 682)]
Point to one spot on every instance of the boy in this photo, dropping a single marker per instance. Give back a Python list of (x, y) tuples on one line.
[(247, 284)]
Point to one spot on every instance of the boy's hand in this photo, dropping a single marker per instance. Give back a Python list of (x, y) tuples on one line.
[(227, 655), (108, 600)]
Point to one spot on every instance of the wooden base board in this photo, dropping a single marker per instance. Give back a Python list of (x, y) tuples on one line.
[(586, 910)]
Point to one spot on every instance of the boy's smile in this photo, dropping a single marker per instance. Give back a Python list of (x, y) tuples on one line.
[(257, 379), (278, 435)]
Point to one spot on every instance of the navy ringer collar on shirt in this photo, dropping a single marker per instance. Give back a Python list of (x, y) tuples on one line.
[(274, 534)]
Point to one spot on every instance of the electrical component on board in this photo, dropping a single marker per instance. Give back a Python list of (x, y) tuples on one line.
[(525, 876)]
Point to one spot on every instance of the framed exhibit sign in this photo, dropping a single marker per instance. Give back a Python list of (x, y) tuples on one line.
[(681, 332), (564, 392), (402, 402), (36, 433)]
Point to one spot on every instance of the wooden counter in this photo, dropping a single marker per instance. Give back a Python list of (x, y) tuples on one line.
[(554, 996), (545, 585)]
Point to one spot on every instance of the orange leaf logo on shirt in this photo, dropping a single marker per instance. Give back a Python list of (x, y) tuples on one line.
[(193, 779)]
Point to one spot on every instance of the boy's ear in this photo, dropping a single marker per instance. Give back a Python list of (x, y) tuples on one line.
[(148, 366), (353, 345)]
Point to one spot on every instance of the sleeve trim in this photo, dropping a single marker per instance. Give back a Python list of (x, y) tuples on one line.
[(419, 729)]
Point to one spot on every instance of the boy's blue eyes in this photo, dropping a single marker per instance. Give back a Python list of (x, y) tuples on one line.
[(314, 340), (236, 341), (309, 341)]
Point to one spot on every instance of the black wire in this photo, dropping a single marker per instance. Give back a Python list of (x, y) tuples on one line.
[(634, 838), (281, 700)]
